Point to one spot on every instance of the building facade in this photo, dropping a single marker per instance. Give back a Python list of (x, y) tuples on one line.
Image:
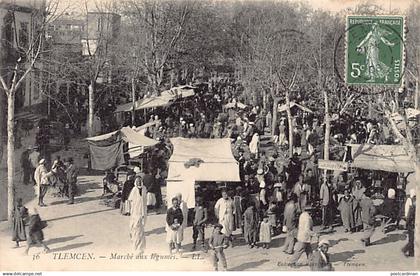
[(20, 22)]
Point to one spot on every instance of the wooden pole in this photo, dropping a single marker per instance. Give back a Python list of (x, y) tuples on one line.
[(133, 95)]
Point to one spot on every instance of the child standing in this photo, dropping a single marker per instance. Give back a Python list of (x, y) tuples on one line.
[(218, 242), (20, 214), (265, 232), (199, 224)]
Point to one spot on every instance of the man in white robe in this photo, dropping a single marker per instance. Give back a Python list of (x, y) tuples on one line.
[(138, 214)]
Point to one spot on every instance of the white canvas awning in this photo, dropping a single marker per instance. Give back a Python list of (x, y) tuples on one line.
[(391, 158), (218, 165), (283, 107), (145, 103), (183, 91)]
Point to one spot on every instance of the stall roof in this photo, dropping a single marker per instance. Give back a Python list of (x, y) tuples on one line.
[(106, 151), (216, 154), (218, 165), (283, 107), (391, 158), (165, 98), (182, 91), (145, 103), (128, 135)]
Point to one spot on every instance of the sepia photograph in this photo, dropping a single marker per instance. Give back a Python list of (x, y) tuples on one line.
[(209, 135)]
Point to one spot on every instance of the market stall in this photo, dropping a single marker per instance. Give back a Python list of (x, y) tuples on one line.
[(107, 150), (196, 160), (391, 158)]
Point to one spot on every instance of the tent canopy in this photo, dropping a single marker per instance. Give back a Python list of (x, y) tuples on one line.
[(166, 98), (106, 151), (182, 91), (283, 107), (391, 158), (216, 154), (218, 165), (145, 103)]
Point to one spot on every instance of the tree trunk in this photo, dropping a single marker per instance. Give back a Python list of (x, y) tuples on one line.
[(289, 120), (133, 112), (275, 111), (3, 115), (10, 154), (417, 225), (327, 132), (91, 108)]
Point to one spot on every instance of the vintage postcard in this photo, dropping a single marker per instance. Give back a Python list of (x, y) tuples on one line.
[(199, 135)]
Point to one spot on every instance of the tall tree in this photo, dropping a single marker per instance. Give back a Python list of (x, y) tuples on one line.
[(25, 51), (159, 28)]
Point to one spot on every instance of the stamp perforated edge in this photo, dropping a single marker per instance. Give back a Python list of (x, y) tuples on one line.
[(403, 50)]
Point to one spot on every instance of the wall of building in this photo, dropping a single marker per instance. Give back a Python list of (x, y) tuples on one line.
[(30, 92)]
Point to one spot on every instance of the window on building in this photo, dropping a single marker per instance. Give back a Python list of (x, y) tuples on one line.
[(23, 35), (8, 30)]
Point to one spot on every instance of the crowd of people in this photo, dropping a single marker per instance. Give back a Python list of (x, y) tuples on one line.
[(278, 192)]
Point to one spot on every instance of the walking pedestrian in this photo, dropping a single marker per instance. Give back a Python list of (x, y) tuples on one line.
[(368, 212), (290, 224), (35, 233), (20, 216), (138, 216), (218, 242), (304, 237)]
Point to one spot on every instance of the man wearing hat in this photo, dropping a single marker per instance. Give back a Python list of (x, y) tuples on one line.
[(218, 242), (320, 260), (39, 173)]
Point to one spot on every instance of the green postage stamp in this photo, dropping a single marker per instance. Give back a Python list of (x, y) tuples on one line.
[(375, 50)]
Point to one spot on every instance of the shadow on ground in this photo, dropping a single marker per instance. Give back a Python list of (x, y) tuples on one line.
[(245, 266), (390, 238), (70, 247), (62, 239), (156, 231), (79, 215), (344, 256), (335, 242)]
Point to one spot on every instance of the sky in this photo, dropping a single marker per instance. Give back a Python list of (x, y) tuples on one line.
[(78, 6)]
